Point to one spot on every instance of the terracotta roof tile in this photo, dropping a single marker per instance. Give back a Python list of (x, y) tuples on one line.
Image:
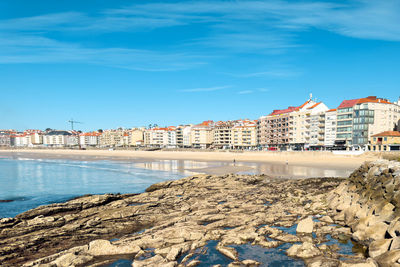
[(387, 133)]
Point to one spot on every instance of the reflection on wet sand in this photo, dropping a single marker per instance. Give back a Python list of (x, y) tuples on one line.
[(215, 167)]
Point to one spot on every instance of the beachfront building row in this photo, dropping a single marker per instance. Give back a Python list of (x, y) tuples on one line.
[(313, 126), (310, 126)]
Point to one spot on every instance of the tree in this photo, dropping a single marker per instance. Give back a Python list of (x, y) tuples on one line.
[(100, 130)]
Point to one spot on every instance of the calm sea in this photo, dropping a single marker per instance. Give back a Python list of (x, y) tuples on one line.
[(33, 182)]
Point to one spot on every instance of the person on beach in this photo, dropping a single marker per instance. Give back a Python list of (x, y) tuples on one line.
[(234, 162)]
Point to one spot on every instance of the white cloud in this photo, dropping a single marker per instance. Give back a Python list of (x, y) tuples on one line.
[(228, 28), (33, 49), (206, 89), (245, 92)]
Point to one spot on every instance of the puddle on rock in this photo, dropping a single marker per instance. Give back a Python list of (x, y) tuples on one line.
[(346, 247), (148, 254), (267, 203), (272, 257), (208, 256), (119, 263), (221, 202), (289, 230)]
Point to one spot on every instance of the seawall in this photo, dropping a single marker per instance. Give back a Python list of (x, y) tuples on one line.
[(369, 203)]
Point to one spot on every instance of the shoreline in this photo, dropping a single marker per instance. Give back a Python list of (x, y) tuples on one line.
[(305, 158)]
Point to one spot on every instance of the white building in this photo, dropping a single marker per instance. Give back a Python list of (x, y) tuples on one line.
[(160, 137), (89, 139), (317, 125), (187, 136), (202, 135), (330, 128), (60, 139)]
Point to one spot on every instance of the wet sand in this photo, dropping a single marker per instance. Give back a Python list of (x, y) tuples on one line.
[(305, 158), (279, 164)]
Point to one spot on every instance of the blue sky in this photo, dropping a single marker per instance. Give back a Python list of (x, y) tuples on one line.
[(125, 63)]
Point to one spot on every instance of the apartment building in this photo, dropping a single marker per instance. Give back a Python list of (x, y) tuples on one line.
[(160, 137), (317, 125), (5, 139), (344, 124), (202, 135), (90, 139), (60, 138), (114, 138), (20, 140), (303, 133), (223, 134), (359, 119), (135, 136), (244, 135), (330, 128), (187, 136), (276, 129), (371, 116)]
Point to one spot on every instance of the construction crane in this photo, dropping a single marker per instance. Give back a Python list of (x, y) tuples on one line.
[(72, 123)]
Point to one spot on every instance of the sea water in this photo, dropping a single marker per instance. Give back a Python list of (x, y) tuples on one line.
[(29, 183)]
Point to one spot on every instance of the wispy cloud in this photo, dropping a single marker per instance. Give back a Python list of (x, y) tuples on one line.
[(272, 73), (206, 89), (18, 49), (227, 28), (245, 92)]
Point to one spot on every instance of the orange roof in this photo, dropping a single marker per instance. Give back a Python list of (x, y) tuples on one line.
[(373, 99), (369, 99), (283, 111), (348, 103), (305, 103), (388, 133), (313, 106), (90, 134), (331, 110)]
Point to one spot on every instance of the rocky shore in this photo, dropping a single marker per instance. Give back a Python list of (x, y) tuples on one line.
[(174, 223)]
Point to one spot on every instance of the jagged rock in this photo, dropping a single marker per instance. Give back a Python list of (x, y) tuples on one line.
[(305, 226), (227, 251), (389, 259), (379, 247), (326, 219), (394, 228), (251, 263), (368, 263), (305, 250), (104, 247), (193, 263)]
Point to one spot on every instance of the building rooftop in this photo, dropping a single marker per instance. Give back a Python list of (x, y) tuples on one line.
[(348, 103), (59, 133), (387, 133)]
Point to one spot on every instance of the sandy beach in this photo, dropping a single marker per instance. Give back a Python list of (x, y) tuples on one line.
[(306, 158)]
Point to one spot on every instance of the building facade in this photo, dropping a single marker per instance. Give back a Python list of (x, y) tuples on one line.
[(386, 141), (202, 135), (330, 128)]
